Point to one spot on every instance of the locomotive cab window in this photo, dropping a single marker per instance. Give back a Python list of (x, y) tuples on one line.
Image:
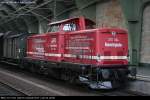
[(54, 28), (70, 27), (90, 24)]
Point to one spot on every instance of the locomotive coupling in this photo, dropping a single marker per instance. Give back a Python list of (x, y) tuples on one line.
[(133, 72), (105, 73)]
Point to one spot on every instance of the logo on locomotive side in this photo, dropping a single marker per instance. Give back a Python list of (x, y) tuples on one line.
[(53, 41), (114, 34)]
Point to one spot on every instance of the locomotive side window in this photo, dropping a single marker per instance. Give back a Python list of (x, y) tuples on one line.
[(90, 24), (54, 28), (70, 27)]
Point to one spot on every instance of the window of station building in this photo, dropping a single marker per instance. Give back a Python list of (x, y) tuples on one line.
[(70, 27)]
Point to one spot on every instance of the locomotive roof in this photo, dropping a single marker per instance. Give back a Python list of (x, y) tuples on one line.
[(67, 20)]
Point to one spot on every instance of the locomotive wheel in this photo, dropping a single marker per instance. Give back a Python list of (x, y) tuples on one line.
[(21, 65), (32, 69), (68, 75), (45, 72)]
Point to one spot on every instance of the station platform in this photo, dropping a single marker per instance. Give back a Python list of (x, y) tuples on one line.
[(142, 83), (143, 71)]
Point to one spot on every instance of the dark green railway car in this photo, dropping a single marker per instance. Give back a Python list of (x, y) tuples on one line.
[(1, 45), (14, 47)]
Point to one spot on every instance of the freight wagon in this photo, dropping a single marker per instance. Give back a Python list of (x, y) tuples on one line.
[(1, 45), (14, 47)]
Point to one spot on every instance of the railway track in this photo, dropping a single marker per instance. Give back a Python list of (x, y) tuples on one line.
[(10, 89), (41, 86), (50, 87), (124, 93)]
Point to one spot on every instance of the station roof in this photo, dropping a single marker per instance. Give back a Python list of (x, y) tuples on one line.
[(25, 15), (1, 34)]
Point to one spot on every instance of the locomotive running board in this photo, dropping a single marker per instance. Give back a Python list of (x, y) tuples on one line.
[(9, 63), (101, 85), (96, 85)]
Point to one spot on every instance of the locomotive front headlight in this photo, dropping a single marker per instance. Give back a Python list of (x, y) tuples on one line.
[(98, 57), (105, 73)]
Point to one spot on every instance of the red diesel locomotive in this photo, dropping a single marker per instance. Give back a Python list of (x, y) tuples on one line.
[(73, 50)]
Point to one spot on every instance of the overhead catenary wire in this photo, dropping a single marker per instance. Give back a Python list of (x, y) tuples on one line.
[(14, 13), (55, 7), (52, 15), (27, 11), (34, 13)]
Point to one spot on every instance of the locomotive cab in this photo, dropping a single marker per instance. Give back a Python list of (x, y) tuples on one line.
[(69, 25)]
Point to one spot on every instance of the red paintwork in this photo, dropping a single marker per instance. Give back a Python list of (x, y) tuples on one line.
[(84, 46)]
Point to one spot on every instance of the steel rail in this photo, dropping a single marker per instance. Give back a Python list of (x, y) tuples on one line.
[(15, 89)]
